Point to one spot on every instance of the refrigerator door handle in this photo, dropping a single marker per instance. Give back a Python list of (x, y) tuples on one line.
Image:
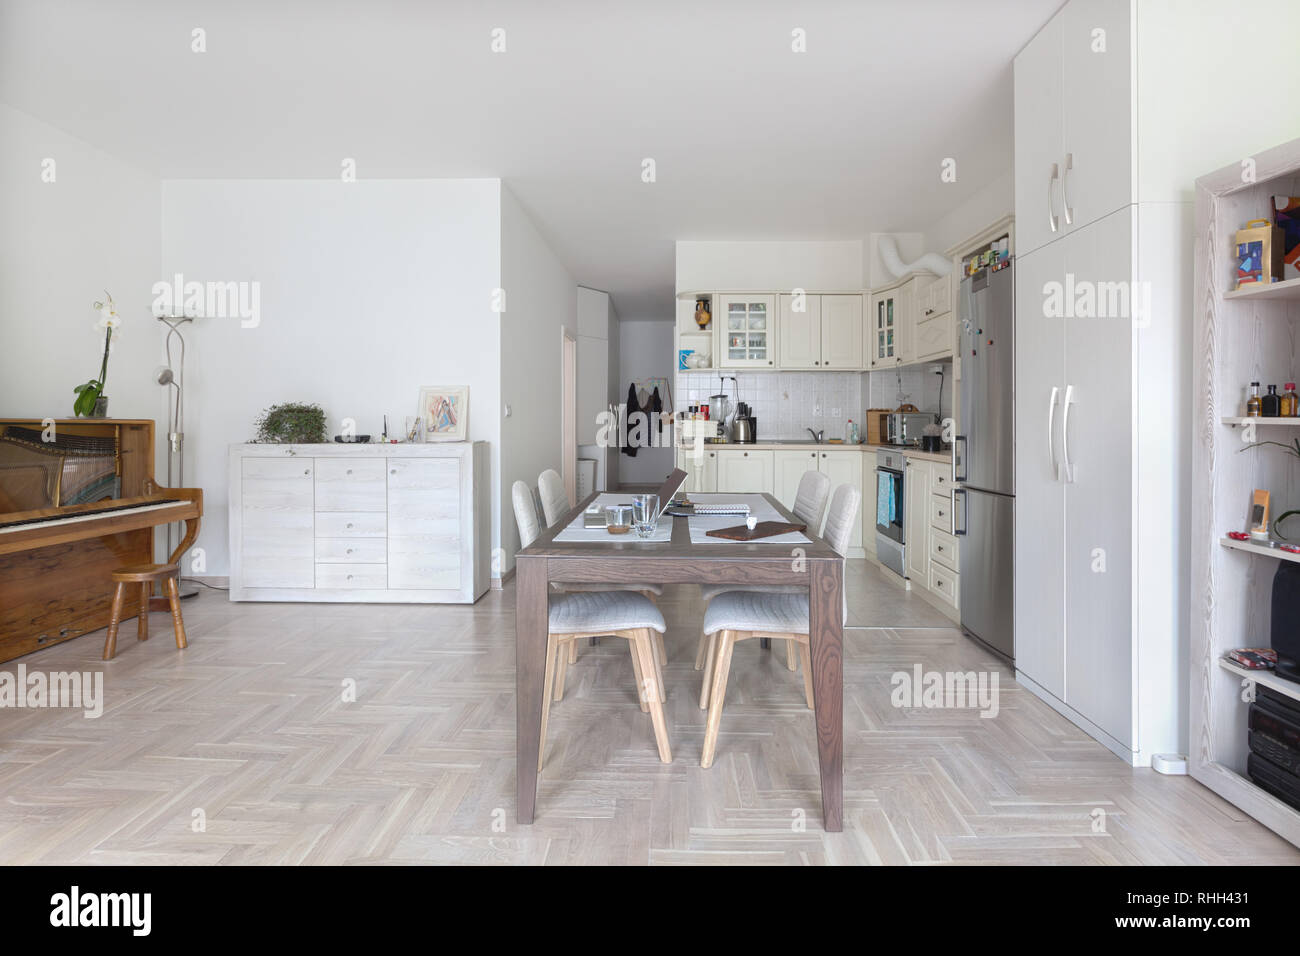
[(956, 530), (1065, 434), (1051, 433), (956, 457)]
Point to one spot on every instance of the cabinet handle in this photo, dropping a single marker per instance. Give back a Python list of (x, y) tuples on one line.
[(1065, 434), (815, 362), (769, 361), (814, 454), (307, 471), (1051, 197), (349, 577), (349, 471), (1065, 190), (349, 524), (1051, 434), (350, 550), (393, 472), (746, 454)]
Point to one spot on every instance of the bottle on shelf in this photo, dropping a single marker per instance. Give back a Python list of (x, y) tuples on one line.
[(850, 433), (1290, 402), (1271, 404), (1253, 408)]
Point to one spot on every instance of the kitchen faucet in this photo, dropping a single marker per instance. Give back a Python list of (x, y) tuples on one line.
[(817, 435)]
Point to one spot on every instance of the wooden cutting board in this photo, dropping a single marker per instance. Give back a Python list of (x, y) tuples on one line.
[(764, 529)]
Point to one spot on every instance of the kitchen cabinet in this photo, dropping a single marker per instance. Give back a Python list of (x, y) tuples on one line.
[(916, 518), (933, 337), (800, 332), (789, 467), (746, 471), (1075, 483), (826, 334), (701, 471), (748, 334), (841, 331), (399, 523), (846, 468), (841, 466), (891, 324), (1073, 108)]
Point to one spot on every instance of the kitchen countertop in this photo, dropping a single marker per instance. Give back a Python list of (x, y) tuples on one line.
[(796, 445)]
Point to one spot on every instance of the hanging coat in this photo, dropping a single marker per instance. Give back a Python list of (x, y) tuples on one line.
[(633, 407), (657, 407)]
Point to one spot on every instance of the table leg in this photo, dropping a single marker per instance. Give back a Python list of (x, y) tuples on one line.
[(826, 637), (530, 660)]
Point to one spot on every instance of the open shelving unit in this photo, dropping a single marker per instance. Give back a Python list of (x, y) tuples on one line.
[(1240, 336)]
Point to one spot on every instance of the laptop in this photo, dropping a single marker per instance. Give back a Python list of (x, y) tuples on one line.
[(668, 490)]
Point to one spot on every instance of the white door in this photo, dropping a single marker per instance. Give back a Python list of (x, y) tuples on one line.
[(1040, 493), (801, 331), (789, 468), (277, 523), (916, 519), (1097, 155), (1097, 444), (845, 468), (747, 335), (746, 471), (841, 334), (1038, 137), (424, 523)]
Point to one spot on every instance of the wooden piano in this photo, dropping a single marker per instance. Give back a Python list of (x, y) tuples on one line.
[(76, 502)]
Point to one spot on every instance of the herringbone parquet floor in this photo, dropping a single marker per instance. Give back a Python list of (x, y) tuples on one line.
[(243, 749)]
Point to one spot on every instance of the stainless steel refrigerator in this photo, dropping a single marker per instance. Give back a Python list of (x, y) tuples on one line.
[(984, 505)]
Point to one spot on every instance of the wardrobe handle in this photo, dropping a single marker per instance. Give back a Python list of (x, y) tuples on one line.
[(1051, 433), (1051, 196), (1065, 433), (1065, 189)]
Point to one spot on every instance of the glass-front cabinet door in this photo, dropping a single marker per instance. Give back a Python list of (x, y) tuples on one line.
[(748, 331), (884, 330)]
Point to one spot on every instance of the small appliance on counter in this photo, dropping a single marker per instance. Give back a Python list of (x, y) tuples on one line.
[(906, 428), (744, 429)]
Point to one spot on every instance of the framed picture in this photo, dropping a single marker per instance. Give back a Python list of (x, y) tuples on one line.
[(445, 411)]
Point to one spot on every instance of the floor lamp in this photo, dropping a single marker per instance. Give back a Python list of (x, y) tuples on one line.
[(174, 375)]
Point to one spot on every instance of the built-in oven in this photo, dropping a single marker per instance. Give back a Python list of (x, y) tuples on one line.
[(890, 545)]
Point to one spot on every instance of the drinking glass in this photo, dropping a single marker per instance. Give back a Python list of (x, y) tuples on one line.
[(645, 514), (618, 519)]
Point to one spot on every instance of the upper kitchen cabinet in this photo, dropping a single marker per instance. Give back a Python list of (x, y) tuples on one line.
[(841, 320), (933, 336), (890, 325), (825, 333), (800, 331), (748, 331), (1073, 120)]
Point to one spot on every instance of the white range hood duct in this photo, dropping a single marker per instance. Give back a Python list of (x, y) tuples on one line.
[(929, 262)]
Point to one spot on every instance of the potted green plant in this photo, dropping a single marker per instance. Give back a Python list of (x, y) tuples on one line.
[(91, 402), (292, 423), (1293, 449)]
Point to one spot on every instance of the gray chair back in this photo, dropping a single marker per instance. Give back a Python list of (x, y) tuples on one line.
[(810, 500), (555, 501), (839, 520), (525, 513)]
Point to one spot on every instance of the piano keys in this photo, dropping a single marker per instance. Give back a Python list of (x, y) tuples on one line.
[(55, 560)]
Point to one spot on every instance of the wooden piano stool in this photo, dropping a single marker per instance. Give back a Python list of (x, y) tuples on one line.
[(144, 575)]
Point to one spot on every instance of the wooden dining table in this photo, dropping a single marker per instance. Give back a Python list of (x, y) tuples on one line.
[(631, 561)]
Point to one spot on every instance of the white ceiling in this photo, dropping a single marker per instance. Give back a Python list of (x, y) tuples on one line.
[(750, 140)]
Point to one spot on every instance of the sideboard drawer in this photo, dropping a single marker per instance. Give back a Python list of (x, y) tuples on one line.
[(342, 576), (351, 551), (351, 524), (347, 484)]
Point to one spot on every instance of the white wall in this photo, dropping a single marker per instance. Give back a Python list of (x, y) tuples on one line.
[(541, 300), (987, 206), (369, 290), (646, 351), (742, 266), (95, 227)]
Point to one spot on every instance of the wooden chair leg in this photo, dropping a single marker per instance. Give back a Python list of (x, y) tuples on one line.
[(701, 652), (656, 645), (791, 652), (114, 619), (142, 622), (573, 652), (659, 648), (551, 648), (640, 677), (178, 624), (561, 668), (710, 656), (717, 695), (805, 657), (645, 647)]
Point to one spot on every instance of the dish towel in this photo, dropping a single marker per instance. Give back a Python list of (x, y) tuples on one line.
[(885, 504)]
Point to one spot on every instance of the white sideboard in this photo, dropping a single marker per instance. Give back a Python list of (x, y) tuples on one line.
[(393, 524)]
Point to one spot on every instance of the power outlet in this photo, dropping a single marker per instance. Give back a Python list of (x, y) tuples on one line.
[(817, 411), (836, 412)]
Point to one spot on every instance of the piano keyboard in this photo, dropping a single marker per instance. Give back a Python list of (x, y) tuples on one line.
[(26, 523)]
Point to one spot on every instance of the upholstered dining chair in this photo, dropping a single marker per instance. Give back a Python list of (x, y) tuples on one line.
[(555, 500), (809, 507), (574, 616), (740, 615)]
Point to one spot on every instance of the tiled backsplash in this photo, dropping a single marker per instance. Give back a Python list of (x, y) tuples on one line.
[(788, 403)]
